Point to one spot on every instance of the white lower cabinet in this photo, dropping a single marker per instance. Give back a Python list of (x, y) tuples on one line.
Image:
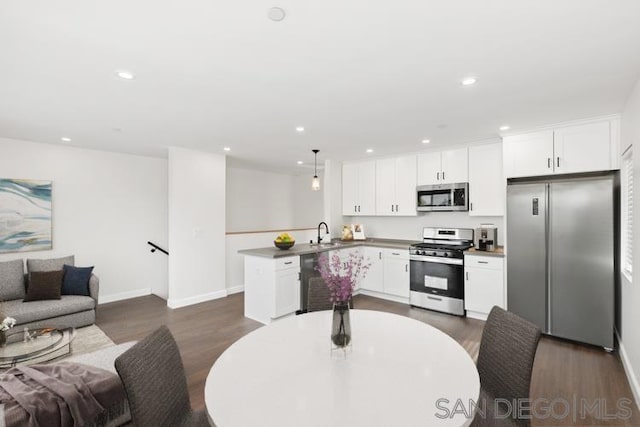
[(272, 287), (388, 274), (483, 285), (374, 280), (396, 272)]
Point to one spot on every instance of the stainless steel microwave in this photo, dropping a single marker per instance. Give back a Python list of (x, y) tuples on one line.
[(443, 197)]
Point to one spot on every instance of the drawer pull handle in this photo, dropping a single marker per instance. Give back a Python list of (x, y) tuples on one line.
[(435, 299), (288, 262), (395, 253), (483, 262)]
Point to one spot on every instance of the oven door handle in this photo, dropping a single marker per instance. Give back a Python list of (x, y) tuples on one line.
[(437, 260)]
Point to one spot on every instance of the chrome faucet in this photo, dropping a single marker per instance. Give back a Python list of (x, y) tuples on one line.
[(326, 227)]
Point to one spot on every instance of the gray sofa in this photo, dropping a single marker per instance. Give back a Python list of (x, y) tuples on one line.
[(70, 310)]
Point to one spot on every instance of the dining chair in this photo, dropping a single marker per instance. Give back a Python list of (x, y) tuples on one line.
[(505, 362), (155, 383), (318, 295)]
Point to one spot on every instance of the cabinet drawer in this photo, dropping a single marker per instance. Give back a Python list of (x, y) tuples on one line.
[(395, 254), (288, 262), (490, 262)]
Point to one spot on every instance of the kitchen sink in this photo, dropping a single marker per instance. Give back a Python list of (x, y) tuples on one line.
[(325, 245)]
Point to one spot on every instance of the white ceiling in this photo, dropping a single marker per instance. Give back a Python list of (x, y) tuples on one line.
[(357, 74)]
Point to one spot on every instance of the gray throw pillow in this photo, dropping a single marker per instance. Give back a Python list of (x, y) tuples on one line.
[(11, 280), (53, 264)]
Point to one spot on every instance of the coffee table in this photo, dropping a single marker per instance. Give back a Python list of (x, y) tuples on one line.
[(44, 344)]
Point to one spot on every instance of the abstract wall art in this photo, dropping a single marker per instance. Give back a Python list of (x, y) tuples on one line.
[(25, 215)]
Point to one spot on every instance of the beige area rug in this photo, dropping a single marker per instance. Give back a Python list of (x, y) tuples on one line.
[(87, 340)]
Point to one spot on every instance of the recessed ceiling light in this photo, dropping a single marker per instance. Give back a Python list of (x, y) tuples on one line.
[(300, 129), (300, 162), (426, 141), (276, 14), (369, 150), (227, 148), (127, 75), (65, 139), (504, 127), (468, 81)]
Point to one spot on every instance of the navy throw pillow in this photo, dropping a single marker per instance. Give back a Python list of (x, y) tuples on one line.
[(76, 280)]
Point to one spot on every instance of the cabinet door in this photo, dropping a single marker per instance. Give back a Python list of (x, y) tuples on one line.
[(286, 292), (486, 182), (406, 186), (455, 166), (386, 187), (583, 148), (367, 188), (528, 155), (483, 288), (350, 189), (374, 279), (429, 168), (396, 273)]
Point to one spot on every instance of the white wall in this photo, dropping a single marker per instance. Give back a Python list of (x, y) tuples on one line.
[(196, 226), (106, 206), (629, 327), (308, 210), (260, 201)]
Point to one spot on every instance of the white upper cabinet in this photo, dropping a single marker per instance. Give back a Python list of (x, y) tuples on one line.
[(486, 182), (570, 149), (358, 188), (444, 167), (429, 168), (455, 165), (350, 182), (396, 186), (528, 155), (582, 148), (406, 197)]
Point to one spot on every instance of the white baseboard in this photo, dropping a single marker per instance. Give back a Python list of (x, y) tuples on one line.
[(235, 290), (183, 302), (477, 315), (628, 369), (105, 299)]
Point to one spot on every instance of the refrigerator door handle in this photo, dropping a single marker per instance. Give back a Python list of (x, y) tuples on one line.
[(547, 196)]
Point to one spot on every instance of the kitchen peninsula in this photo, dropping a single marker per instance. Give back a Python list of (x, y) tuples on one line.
[(274, 277)]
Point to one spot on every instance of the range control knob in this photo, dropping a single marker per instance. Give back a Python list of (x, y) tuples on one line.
[(446, 254), (434, 253)]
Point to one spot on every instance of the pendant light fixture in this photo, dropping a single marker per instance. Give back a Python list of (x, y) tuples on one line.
[(315, 183)]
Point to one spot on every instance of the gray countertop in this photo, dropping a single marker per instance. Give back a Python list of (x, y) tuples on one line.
[(306, 248), (499, 252)]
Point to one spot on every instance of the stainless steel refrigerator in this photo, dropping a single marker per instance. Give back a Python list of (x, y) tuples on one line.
[(562, 241)]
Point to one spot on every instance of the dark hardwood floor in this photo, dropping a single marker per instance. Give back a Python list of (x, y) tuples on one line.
[(563, 371)]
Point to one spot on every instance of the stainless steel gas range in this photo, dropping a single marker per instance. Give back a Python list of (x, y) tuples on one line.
[(437, 269)]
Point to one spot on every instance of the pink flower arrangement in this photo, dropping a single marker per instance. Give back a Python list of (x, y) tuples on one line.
[(341, 279)]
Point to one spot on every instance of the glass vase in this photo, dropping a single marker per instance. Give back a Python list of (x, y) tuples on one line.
[(341, 325)]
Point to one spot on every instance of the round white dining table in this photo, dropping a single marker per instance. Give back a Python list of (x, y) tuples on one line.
[(395, 374)]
